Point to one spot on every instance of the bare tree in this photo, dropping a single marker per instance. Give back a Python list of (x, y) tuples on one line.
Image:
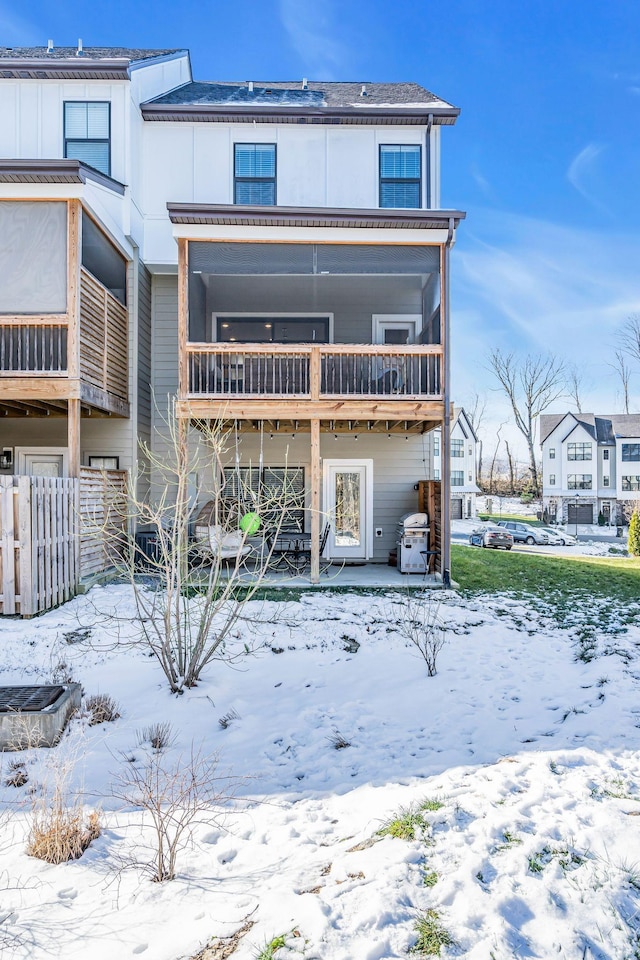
[(495, 456), (630, 337), (189, 596), (476, 416), (623, 372), (531, 385), (512, 469), (574, 387)]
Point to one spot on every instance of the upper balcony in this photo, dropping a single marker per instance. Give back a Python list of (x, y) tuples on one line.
[(63, 313), (311, 330)]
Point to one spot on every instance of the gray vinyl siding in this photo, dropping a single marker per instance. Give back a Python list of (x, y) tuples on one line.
[(144, 374), (398, 464), (164, 364)]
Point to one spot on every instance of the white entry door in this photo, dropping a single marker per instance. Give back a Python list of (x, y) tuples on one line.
[(42, 462), (348, 494), (395, 329)]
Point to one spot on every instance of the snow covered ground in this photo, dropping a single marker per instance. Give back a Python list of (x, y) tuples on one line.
[(532, 754)]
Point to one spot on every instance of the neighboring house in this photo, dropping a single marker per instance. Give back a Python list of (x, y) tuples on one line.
[(463, 464), (590, 466), (273, 253)]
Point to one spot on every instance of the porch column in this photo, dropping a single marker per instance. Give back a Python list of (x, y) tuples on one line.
[(315, 501), (73, 437)]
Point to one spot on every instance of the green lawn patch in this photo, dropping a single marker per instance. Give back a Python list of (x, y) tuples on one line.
[(518, 517), (601, 591)]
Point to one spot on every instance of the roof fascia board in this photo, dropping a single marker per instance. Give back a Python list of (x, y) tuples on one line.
[(234, 214), (55, 171), (165, 58), (209, 111)]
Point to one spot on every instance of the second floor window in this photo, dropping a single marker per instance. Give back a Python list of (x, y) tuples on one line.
[(255, 174), (631, 483), (400, 176), (578, 451), (457, 448), (87, 131), (605, 454), (605, 481), (552, 453), (552, 479), (457, 478), (630, 451), (579, 481)]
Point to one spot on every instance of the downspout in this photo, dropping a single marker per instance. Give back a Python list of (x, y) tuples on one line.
[(427, 172), (445, 499)]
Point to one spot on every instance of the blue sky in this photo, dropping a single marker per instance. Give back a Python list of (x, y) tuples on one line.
[(545, 157)]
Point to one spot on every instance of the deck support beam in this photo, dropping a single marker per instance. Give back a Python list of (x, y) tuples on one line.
[(316, 474), (73, 436)]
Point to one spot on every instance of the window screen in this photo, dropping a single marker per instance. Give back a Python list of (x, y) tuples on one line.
[(87, 134), (400, 175), (33, 257), (255, 174)]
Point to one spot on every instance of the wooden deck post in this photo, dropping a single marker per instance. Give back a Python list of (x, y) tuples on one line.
[(73, 437), (316, 474)]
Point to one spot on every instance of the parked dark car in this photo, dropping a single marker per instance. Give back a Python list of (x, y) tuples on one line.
[(524, 532), (491, 536)]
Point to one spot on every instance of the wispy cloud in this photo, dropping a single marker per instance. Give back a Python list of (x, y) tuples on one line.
[(482, 181), (581, 174), (314, 33), (530, 286), (17, 31)]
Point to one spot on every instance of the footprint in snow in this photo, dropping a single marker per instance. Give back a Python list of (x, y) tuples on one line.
[(140, 948), (228, 856), (68, 893)]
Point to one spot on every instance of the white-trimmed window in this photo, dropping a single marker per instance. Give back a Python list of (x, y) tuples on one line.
[(552, 479), (552, 453), (578, 451), (87, 133), (580, 481), (457, 478)]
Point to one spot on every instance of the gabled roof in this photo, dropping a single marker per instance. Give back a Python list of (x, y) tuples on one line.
[(603, 429), (351, 102), (109, 63), (459, 412)]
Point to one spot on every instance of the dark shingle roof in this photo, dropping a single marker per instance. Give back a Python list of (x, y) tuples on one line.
[(291, 93), (89, 53), (603, 429)]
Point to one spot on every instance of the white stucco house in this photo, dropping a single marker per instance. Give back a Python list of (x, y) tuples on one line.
[(590, 466), (273, 253), (464, 459)]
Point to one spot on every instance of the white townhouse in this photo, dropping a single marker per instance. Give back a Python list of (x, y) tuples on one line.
[(590, 466), (273, 253), (464, 461)]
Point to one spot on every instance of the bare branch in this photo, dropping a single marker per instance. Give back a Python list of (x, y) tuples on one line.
[(623, 373)]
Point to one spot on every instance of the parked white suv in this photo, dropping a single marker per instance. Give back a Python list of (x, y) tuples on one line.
[(524, 532), (559, 537)]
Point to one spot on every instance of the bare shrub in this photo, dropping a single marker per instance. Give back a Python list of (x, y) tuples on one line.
[(17, 776), (159, 736), (175, 795), (192, 595), (420, 625), (102, 709)]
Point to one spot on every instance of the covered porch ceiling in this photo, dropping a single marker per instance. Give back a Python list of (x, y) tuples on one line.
[(289, 427)]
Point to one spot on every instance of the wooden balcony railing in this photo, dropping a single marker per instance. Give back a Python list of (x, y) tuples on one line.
[(31, 346), (316, 372), (104, 345), (41, 346)]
